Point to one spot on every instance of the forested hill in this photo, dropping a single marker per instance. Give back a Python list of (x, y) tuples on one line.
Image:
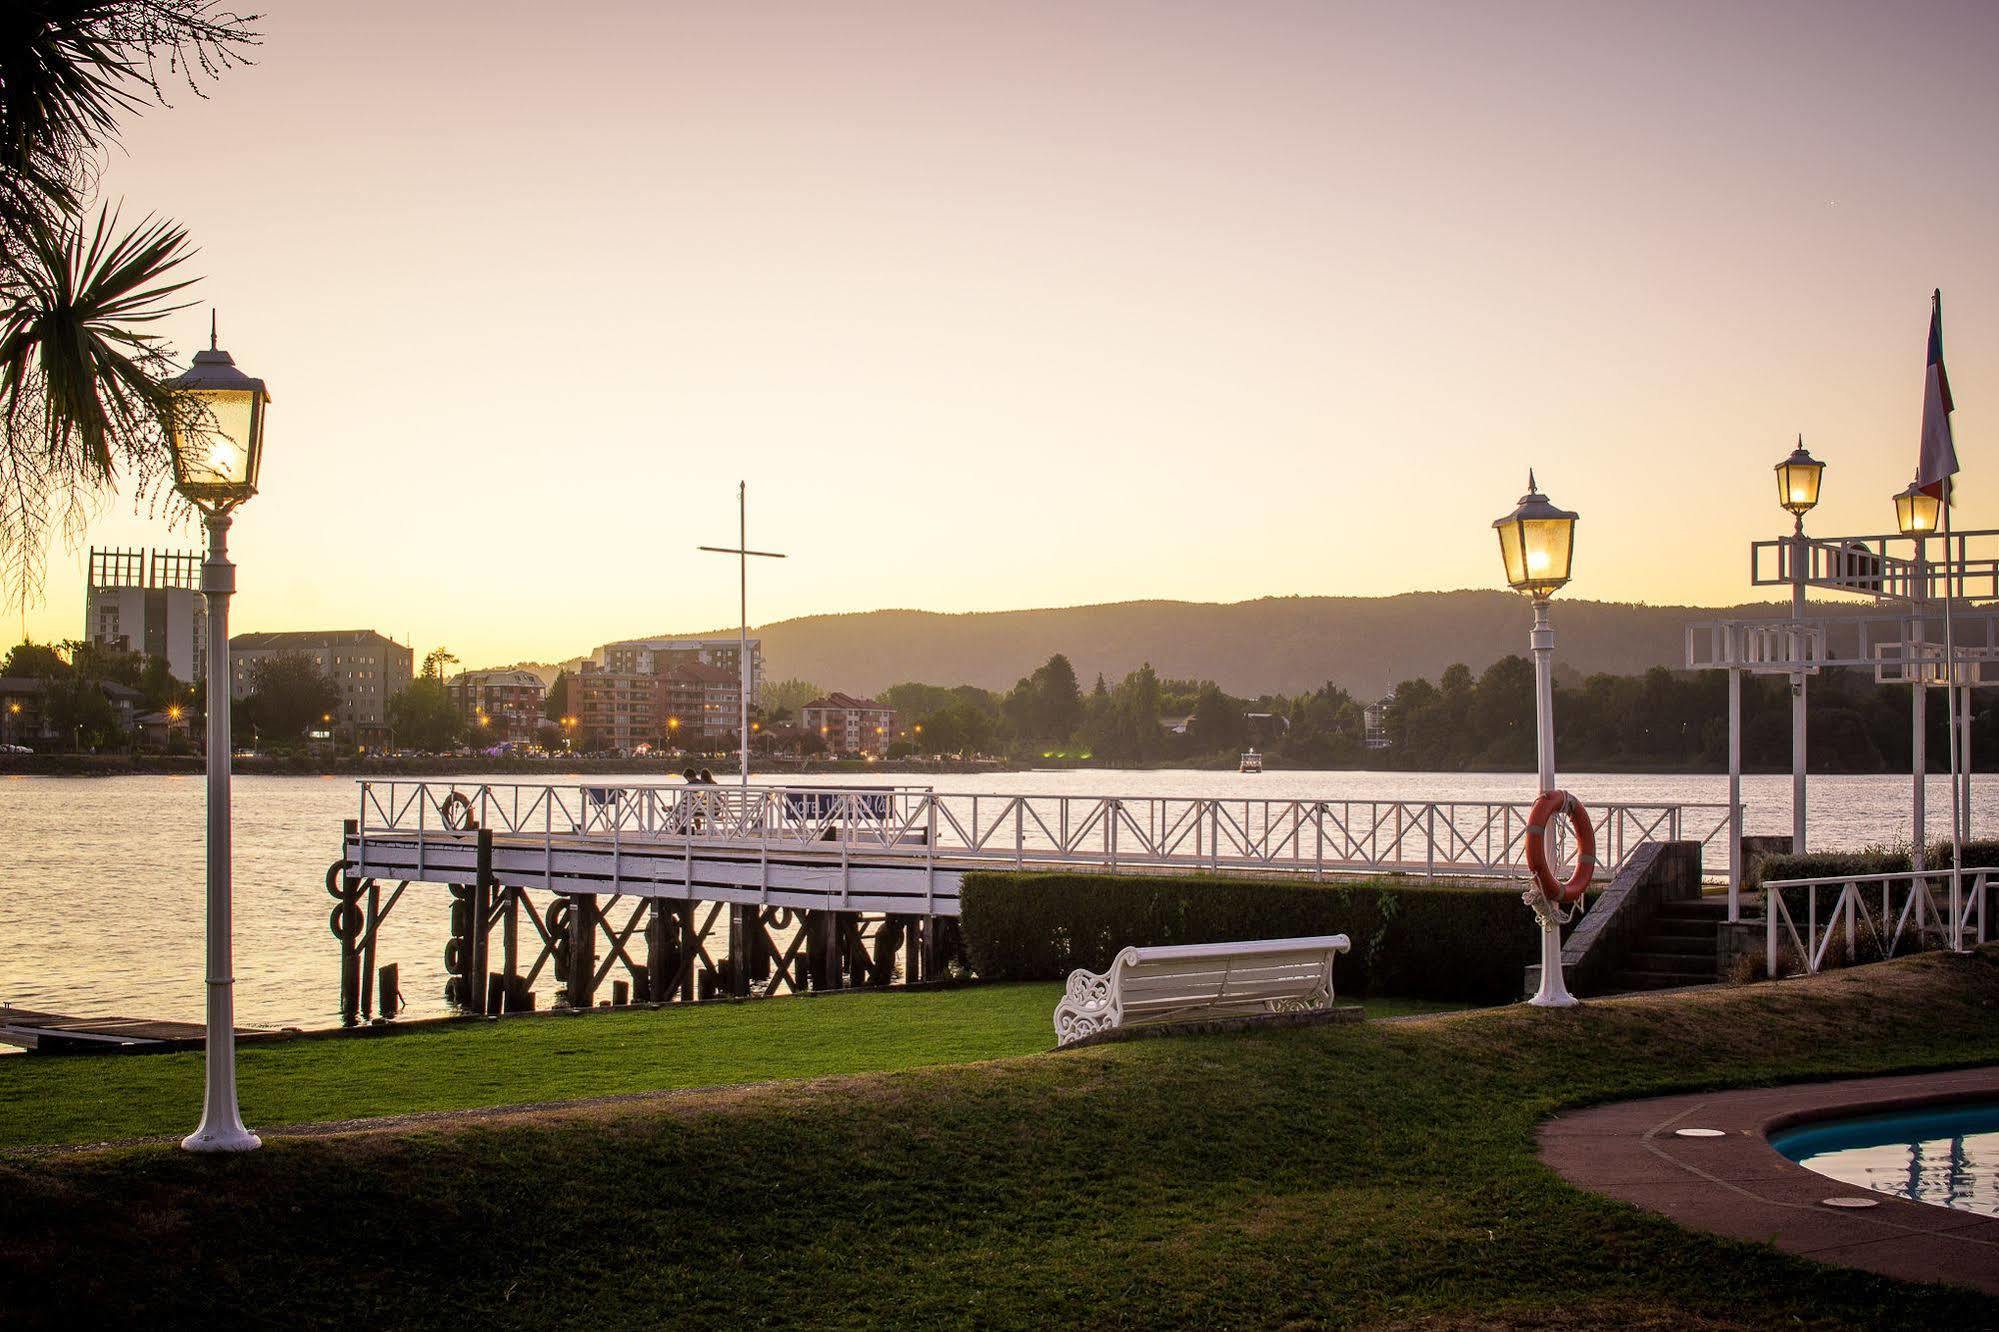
[(1275, 645)]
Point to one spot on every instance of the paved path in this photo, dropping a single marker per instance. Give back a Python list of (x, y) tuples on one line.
[(1738, 1185)]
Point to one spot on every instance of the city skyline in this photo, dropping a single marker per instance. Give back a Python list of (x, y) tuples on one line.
[(1241, 303)]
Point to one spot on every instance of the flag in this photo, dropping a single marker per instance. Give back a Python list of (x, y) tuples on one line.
[(1939, 456)]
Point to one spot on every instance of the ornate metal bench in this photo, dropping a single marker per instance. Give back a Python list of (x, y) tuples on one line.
[(1188, 982)]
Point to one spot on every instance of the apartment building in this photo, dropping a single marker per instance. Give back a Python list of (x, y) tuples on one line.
[(367, 668), (656, 656), (149, 601), (615, 709), (849, 725), (707, 701), (508, 701)]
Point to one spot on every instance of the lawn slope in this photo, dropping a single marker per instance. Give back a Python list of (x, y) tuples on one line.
[(1359, 1174)]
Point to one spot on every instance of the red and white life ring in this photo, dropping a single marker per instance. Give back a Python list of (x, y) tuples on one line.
[(1538, 820)]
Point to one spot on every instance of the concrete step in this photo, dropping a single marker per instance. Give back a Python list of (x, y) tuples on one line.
[(1677, 927), (1701, 946), (1655, 980), (1676, 964)]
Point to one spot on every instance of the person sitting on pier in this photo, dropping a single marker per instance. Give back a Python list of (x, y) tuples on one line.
[(707, 778)]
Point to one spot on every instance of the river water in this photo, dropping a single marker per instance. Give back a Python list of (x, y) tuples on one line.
[(101, 878)]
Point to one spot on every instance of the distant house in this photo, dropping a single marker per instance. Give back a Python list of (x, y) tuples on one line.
[(1176, 725), (24, 710), (850, 725), (1374, 720), (1266, 727)]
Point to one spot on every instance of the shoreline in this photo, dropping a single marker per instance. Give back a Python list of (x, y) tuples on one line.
[(480, 765)]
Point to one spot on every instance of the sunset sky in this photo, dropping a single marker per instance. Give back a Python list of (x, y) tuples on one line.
[(1020, 304)]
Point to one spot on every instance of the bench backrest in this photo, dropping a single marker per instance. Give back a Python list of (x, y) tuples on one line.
[(1158, 983)]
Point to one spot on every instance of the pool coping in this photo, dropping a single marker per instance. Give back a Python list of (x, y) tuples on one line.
[(1740, 1186)]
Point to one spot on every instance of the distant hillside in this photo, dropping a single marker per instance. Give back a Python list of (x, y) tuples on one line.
[(1277, 644)]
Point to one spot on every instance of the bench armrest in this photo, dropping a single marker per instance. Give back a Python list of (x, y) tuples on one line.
[(1089, 1005)]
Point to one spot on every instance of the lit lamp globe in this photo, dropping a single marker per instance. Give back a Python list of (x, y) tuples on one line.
[(1537, 541), (1917, 512), (1798, 478), (217, 431)]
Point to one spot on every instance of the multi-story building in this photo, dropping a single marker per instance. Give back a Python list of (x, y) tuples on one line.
[(508, 701), (656, 656), (849, 725), (706, 701), (367, 668), (615, 709), (149, 601)]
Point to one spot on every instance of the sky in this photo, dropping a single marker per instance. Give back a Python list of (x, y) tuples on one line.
[(1029, 304)]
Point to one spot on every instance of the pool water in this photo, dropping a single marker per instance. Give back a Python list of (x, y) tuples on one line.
[(1947, 1155)]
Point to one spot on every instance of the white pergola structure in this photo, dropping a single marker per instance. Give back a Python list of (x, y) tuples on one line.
[(1926, 630)]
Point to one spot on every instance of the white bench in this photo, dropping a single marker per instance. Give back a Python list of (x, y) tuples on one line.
[(1187, 982)]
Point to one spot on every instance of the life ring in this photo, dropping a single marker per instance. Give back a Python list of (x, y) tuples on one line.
[(1539, 818), (455, 811)]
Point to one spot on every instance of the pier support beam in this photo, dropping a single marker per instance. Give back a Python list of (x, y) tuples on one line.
[(582, 950)]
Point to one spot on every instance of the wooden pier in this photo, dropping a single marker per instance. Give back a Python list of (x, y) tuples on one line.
[(672, 894), (57, 1033)]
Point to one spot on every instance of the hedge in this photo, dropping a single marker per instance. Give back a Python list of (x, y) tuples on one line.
[(1425, 940), (1868, 860)]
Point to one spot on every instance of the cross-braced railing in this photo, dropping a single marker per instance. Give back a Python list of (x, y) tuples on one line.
[(1319, 837), (1810, 924)]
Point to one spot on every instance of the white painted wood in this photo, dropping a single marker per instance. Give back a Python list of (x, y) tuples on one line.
[(1185, 982)]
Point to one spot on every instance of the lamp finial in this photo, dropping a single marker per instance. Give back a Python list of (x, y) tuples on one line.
[(211, 328), (1532, 489)]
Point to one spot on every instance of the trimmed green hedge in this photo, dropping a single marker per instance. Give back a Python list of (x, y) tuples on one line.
[(1433, 941)]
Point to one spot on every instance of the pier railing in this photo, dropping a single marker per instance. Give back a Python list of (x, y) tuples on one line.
[(968, 830), (1812, 924)]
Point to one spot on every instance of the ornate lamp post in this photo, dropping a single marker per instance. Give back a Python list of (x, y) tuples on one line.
[(1798, 478), (1537, 541), (218, 446)]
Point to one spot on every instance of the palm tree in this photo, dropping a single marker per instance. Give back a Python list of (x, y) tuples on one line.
[(80, 404)]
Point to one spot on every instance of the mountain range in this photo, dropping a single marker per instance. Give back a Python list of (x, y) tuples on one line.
[(1271, 645)]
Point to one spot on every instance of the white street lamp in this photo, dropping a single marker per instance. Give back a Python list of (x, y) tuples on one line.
[(1798, 478), (1537, 541), (217, 436)]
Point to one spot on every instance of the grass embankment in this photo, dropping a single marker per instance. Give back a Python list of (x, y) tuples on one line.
[(1382, 1172), (525, 1061)]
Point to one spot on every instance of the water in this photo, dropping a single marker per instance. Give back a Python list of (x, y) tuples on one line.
[(101, 878), (1946, 1155)]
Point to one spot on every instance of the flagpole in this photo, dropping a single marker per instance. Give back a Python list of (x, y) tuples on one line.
[(1954, 573)]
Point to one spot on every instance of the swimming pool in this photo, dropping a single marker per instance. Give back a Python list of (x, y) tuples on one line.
[(1946, 1154)]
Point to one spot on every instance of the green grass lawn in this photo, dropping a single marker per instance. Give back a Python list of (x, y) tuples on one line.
[(529, 1060), (1381, 1173)]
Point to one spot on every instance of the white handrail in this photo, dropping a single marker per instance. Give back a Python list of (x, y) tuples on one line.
[(1957, 923), (1025, 831)]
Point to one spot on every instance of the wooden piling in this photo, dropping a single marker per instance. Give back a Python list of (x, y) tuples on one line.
[(739, 951), (350, 953), (582, 949), (690, 950)]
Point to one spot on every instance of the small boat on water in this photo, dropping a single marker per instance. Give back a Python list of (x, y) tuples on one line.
[(1251, 762)]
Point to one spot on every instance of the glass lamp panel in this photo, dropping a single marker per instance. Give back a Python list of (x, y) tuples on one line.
[(214, 452), (1511, 551), (1916, 514), (1549, 545), (1798, 485)]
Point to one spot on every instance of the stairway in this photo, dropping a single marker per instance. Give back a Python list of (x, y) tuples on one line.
[(1677, 948)]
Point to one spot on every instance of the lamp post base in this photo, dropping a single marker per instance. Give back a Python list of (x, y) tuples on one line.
[(1554, 988), (227, 1139)]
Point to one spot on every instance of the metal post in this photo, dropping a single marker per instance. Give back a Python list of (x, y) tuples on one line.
[(221, 1128), (743, 641), (1798, 721), (1734, 793), (1919, 719), (1554, 989)]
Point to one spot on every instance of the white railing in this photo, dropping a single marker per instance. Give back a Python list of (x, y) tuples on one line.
[(1917, 909), (1455, 838)]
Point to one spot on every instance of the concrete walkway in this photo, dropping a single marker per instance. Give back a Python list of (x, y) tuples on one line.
[(1738, 1185)]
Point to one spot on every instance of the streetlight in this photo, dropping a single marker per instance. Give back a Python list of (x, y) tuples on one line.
[(1537, 541), (568, 734), (13, 711), (1798, 478), (1917, 512), (217, 438)]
